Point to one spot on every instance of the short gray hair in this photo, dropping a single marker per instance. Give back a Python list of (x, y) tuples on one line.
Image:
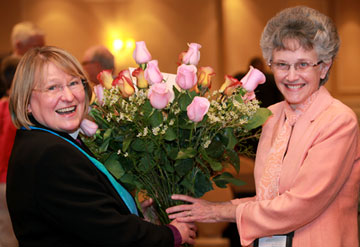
[(100, 54), (23, 31), (312, 29)]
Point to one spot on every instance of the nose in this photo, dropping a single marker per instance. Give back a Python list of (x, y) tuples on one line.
[(292, 75), (67, 94)]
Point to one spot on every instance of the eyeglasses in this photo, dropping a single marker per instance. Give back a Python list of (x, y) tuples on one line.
[(298, 66), (56, 89)]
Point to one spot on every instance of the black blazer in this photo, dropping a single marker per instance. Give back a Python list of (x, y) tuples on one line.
[(57, 197)]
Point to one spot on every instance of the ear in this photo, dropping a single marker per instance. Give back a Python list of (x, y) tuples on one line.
[(324, 69), (29, 108)]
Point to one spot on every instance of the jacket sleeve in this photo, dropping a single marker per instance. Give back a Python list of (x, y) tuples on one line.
[(70, 192), (324, 171)]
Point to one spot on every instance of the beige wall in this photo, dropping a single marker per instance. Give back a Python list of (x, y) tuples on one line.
[(228, 30)]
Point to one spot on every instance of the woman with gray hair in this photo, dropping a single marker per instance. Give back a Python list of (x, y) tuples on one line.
[(307, 168)]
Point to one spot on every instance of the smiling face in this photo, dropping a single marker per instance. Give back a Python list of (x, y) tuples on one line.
[(62, 110), (295, 85)]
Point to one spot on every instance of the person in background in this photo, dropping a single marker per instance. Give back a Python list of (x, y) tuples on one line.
[(307, 167), (96, 59), (24, 36), (7, 136), (58, 194)]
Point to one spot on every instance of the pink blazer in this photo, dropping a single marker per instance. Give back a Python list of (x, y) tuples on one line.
[(319, 183)]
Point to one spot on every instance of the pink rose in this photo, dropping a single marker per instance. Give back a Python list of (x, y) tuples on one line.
[(192, 56), (88, 127), (152, 73), (186, 76), (160, 94), (99, 92), (141, 53), (198, 108), (105, 78), (252, 79)]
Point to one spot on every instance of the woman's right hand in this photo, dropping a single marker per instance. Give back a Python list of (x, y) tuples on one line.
[(187, 231)]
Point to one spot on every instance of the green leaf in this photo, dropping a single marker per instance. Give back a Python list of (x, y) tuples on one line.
[(138, 145), (156, 118), (184, 166), (149, 146), (258, 119), (168, 166), (223, 179), (234, 159), (176, 92), (104, 146), (146, 163), (100, 120), (239, 99), (129, 181), (229, 134), (147, 109), (186, 153), (171, 151), (202, 184), (114, 166), (126, 143), (107, 133), (184, 101), (170, 134), (216, 148), (214, 164)]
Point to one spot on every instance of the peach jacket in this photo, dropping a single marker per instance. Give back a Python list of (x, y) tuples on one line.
[(319, 182)]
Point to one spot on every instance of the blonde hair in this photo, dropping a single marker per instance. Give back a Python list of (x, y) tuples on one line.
[(29, 73)]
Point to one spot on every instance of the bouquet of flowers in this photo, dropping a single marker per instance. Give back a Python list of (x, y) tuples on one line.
[(161, 134)]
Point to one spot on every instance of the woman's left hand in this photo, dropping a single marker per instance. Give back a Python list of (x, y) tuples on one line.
[(201, 210)]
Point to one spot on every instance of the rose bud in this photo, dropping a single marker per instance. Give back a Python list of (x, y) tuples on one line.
[(99, 92), (252, 79), (186, 76), (125, 84), (141, 82), (205, 74), (229, 86), (152, 73), (88, 127), (160, 94), (198, 108), (105, 78), (192, 56), (141, 53)]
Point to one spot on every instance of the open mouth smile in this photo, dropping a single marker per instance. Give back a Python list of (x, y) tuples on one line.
[(296, 86), (66, 110)]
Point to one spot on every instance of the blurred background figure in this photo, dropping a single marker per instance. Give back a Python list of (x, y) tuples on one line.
[(96, 59), (26, 35), (267, 93), (7, 136)]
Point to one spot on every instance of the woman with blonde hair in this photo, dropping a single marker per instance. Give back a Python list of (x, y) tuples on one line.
[(58, 194)]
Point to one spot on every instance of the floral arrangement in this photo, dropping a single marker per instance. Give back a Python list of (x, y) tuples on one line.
[(163, 137)]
